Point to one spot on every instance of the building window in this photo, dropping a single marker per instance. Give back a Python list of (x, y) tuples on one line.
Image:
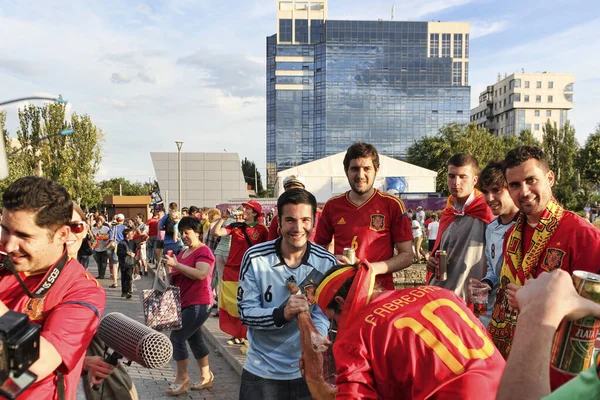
[(537, 113), (538, 99), (515, 83), (316, 31), (526, 99), (434, 45), (550, 85), (445, 45), (496, 93), (538, 84), (550, 99), (511, 98), (456, 74), (285, 30), (548, 113), (517, 96), (301, 30), (466, 72), (569, 97), (537, 127), (526, 84), (458, 37), (504, 102), (467, 45)]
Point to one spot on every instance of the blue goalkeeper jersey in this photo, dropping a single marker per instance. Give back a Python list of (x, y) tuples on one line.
[(275, 347)]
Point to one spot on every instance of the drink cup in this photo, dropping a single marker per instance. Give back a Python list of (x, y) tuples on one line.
[(479, 295)]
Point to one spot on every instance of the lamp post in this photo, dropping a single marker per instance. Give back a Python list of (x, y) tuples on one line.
[(179, 145), (58, 100)]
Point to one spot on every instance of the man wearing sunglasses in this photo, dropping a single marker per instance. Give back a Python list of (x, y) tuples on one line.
[(39, 279)]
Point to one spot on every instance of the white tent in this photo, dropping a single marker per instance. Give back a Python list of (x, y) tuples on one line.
[(326, 177)]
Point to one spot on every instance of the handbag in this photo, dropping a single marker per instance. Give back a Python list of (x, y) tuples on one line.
[(162, 309)]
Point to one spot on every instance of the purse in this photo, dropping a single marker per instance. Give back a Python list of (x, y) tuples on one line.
[(162, 309)]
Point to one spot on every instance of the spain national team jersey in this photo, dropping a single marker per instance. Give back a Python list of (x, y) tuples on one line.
[(417, 343), (371, 229), (257, 234)]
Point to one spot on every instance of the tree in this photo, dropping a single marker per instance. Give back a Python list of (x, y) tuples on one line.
[(561, 148), (249, 169), (70, 160), (118, 186), (588, 160)]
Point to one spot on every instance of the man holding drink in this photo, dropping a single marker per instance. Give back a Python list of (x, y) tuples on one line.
[(495, 193)]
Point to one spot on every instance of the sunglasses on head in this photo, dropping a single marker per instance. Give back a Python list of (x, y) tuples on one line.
[(77, 226)]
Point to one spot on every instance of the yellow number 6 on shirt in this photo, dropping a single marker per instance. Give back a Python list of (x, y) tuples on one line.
[(440, 348), (354, 243)]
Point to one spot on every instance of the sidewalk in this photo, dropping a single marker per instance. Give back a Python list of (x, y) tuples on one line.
[(152, 383)]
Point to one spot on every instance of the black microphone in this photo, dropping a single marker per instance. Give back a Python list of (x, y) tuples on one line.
[(135, 341)]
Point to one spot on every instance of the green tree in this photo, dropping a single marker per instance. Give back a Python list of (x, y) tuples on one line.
[(588, 160), (561, 148), (116, 186), (249, 168)]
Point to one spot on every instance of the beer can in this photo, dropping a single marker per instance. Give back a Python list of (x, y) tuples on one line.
[(441, 273), (170, 253), (573, 347), (350, 254)]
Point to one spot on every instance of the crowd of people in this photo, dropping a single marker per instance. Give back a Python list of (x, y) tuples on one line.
[(502, 232)]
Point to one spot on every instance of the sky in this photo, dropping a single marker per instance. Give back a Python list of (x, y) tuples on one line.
[(151, 73)]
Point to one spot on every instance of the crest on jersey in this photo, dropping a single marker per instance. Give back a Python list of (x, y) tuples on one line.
[(34, 308), (254, 236), (554, 259), (377, 222)]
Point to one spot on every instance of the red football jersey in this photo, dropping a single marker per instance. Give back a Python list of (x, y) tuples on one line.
[(371, 229), (417, 343), (257, 234)]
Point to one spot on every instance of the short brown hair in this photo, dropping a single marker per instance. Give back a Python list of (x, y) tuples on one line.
[(491, 176), (519, 155), (464, 159), (214, 214), (361, 150)]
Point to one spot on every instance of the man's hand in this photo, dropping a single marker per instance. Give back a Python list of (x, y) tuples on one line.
[(432, 264), (343, 260), (552, 296), (97, 369), (295, 305), (301, 366)]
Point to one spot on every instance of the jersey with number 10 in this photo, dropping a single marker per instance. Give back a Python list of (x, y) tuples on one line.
[(371, 229), (416, 343)]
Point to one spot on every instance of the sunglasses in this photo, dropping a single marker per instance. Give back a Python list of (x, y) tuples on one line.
[(77, 226)]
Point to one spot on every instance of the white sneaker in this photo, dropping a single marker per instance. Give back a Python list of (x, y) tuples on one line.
[(137, 278)]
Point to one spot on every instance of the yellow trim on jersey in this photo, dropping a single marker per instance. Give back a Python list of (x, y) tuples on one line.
[(327, 280), (399, 201)]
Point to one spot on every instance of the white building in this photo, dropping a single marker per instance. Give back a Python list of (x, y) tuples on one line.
[(207, 179), (326, 177), (524, 101)]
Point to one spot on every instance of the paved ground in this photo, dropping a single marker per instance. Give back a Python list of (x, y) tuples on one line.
[(151, 384)]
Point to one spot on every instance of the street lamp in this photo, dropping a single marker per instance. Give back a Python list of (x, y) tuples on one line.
[(64, 132), (58, 100), (179, 145)]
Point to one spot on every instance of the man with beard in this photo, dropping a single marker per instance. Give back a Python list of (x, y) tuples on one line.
[(39, 279), (367, 220), (462, 228), (268, 310), (545, 237), (495, 193)]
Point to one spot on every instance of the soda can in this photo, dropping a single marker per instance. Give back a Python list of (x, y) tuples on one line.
[(170, 253), (573, 347), (441, 273), (350, 254)]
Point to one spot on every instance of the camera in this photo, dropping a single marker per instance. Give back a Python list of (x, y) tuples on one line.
[(19, 349)]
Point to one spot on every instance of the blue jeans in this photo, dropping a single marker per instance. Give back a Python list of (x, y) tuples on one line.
[(192, 318), (151, 248), (256, 388)]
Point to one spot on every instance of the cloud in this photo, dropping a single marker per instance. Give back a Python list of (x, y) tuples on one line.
[(147, 77), (405, 11), (19, 67), (118, 78), (234, 74), (483, 28)]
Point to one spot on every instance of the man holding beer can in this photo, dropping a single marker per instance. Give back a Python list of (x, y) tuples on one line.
[(462, 229), (545, 237), (367, 220)]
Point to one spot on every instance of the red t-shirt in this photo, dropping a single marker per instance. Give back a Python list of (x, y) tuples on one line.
[(70, 317), (415, 344), (372, 228), (274, 231), (194, 291), (152, 227), (257, 234)]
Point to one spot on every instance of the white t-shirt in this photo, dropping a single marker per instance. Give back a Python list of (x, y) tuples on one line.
[(416, 228), (432, 230)]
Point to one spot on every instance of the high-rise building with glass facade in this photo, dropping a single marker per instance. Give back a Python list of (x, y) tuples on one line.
[(331, 83)]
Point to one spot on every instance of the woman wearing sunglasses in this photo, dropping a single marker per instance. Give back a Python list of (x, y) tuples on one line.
[(79, 233)]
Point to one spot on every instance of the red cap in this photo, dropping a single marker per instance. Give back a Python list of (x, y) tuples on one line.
[(255, 205)]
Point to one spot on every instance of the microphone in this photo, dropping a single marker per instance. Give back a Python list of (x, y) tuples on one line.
[(135, 341)]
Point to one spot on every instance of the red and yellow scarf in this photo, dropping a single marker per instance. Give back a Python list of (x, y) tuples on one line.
[(518, 268)]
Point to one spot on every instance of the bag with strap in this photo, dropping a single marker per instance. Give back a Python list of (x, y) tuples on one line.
[(162, 309), (112, 243)]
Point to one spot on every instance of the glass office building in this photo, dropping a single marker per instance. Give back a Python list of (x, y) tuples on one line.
[(331, 83)]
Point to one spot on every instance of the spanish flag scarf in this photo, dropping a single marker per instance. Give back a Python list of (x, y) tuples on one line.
[(518, 268)]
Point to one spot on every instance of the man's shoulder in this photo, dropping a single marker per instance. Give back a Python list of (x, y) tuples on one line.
[(387, 198), (321, 256), (573, 222), (264, 249), (335, 201), (79, 286)]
